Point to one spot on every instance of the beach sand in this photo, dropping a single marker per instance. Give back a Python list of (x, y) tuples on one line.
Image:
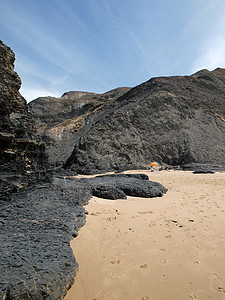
[(165, 248)]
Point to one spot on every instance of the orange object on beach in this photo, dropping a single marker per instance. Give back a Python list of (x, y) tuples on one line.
[(153, 164)]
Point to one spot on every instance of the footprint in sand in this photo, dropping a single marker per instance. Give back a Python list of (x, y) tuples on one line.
[(163, 261), (117, 261), (96, 213), (221, 289), (192, 296), (144, 266), (145, 298), (152, 224)]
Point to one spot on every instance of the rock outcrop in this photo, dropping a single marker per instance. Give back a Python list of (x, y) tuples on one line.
[(173, 120), (119, 186), (36, 226)]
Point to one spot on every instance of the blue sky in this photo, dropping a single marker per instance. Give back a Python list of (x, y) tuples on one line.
[(98, 45)]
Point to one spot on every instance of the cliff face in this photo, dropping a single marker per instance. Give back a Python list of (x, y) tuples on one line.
[(173, 120), (22, 156)]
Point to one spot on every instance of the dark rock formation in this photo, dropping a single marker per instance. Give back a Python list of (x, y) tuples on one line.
[(59, 119), (36, 226), (173, 120), (203, 168), (118, 186), (22, 156), (203, 172)]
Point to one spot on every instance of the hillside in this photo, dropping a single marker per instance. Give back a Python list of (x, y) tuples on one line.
[(173, 120)]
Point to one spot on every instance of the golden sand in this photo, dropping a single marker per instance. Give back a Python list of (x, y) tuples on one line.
[(155, 249)]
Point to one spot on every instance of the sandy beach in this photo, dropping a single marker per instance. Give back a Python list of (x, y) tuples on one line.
[(165, 248)]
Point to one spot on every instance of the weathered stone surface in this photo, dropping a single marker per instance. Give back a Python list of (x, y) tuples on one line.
[(36, 261), (173, 120), (108, 192), (118, 186)]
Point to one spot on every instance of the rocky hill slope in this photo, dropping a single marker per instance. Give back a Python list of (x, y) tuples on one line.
[(174, 120), (59, 119)]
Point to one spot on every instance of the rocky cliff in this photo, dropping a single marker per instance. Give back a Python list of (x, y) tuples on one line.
[(22, 160), (173, 120)]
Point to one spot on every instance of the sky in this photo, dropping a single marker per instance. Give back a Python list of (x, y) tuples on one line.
[(98, 45)]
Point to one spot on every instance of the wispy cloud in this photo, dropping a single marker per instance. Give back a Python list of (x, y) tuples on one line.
[(93, 45)]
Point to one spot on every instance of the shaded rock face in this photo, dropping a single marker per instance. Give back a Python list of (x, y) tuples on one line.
[(58, 120), (173, 120), (22, 156)]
